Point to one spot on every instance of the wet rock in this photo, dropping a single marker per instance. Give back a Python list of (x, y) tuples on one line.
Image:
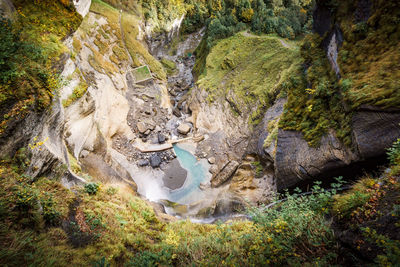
[(161, 138), (225, 174), (143, 162), (177, 112), (175, 175), (204, 186), (228, 206), (184, 128), (155, 161), (374, 130)]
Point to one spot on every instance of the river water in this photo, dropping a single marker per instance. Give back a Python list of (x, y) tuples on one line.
[(196, 174)]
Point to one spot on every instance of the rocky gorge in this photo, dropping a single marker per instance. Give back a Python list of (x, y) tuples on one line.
[(123, 130), (206, 130)]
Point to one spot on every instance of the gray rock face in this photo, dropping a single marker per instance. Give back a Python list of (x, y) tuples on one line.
[(155, 161), (295, 161), (82, 6), (226, 173), (374, 131)]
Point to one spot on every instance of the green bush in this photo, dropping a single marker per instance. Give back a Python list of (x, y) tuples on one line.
[(101, 263), (394, 153), (91, 188), (150, 259), (295, 227), (50, 214)]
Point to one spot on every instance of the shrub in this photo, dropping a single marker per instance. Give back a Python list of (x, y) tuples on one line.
[(150, 259), (50, 214), (26, 197), (101, 263), (91, 188), (394, 153)]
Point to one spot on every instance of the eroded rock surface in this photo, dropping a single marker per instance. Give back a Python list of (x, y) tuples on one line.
[(374, 131)]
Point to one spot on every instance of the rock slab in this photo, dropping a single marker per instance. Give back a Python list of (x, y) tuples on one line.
[(225, 174)]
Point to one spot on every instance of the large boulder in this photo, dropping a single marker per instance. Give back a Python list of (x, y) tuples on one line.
[(225, 174), (155, 161), (296, 161), (184, 128)]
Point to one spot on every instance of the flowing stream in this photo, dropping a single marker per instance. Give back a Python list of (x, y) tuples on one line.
[(185, 187)]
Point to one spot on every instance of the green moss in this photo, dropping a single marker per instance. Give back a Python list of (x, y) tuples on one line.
[(313, 111), (272, 132), (252, 68), (77, 93), (370, 70), (77, 45), (120, 53), (169, 66), (369, 56)]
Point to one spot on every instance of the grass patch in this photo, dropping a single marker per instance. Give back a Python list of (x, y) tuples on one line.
[(169, 66), (141, 74), (252, 69), (101, 64), (120, 53), (139, 53), (272, 132), (77, 93)]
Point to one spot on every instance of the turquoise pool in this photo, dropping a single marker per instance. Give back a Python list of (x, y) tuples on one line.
[(197, 173)]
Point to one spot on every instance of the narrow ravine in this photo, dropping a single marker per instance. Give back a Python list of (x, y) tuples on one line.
[(185, 177)]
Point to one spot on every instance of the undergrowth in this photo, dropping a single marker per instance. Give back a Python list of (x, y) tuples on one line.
[(30, 48), (108, 225)]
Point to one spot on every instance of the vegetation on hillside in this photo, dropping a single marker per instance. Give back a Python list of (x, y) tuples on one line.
[(30, 47), (158, 13), (125, 28), (369, 64), (249, 71), (224, 18)]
